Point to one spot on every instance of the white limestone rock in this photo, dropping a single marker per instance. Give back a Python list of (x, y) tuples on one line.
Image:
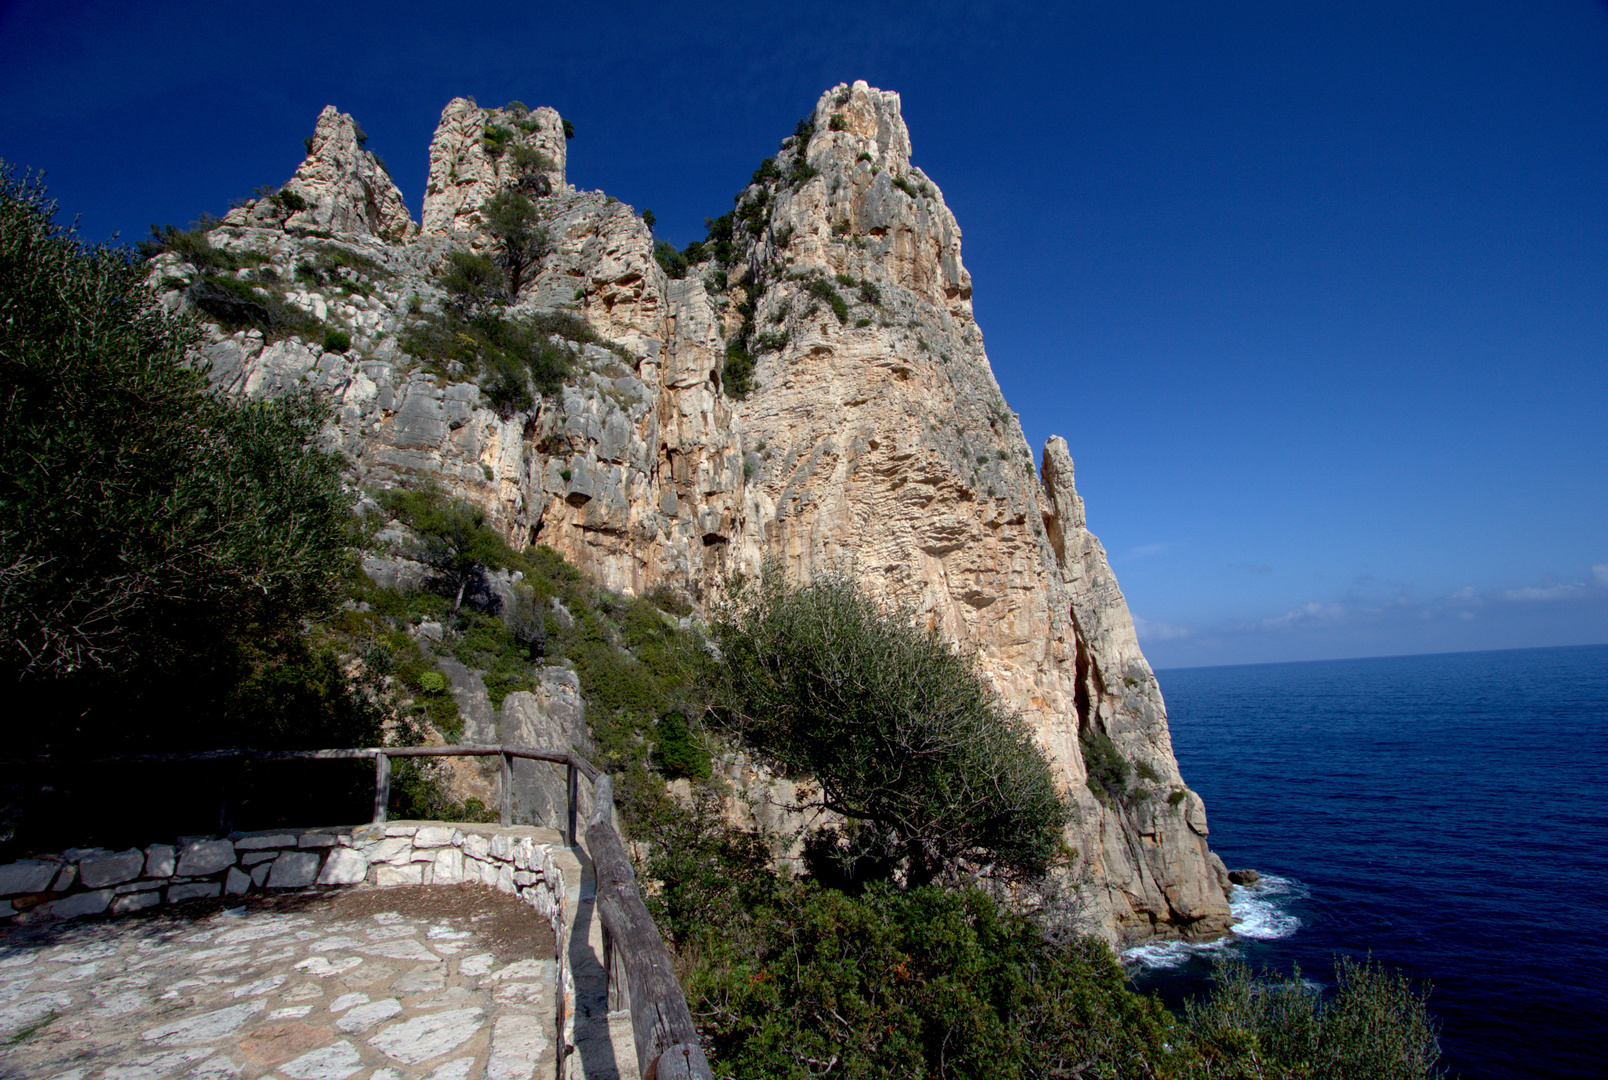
[(345, 866)]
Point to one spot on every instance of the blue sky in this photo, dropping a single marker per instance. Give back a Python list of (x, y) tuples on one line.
[(1317, 293)]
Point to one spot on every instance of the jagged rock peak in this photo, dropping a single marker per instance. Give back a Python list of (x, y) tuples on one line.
[(477, 152), (345, 188), (860, 119)]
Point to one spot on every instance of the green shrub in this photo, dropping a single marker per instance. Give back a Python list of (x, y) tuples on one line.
[(673, 262), (1107, 768), (337, 341), (1373, 1027), (1177, 796), (822, 288), (902, 733), (511, 356), (569, 130), (532, 167), (675, 751), (869, 293), (929, 982), (289, 200), (838, 123), (473, 281), (737, 374), (495, 139), (192, 244), (770, 342), (156, 534), (907, 187), (521, 240)]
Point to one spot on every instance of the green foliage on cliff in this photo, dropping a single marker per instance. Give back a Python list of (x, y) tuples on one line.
[(905, 737), (1107, 768)]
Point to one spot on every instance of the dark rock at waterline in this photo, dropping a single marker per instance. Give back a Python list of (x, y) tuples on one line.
[(1244, 877)]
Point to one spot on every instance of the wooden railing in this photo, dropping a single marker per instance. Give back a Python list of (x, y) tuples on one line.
[(641, 976)]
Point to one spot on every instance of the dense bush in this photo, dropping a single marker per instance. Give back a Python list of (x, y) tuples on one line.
[(1106, 767), (737, 374), (822, 289), (133, 502), (673, 262), (903, 734), (473, 281)]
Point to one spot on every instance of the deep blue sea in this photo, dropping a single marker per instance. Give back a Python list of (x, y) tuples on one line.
[(1448, 814)]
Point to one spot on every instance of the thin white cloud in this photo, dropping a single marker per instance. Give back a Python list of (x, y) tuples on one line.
[(1312, 613), (1144, 551), (1541, 594), (1362, 611), (1153, 630)]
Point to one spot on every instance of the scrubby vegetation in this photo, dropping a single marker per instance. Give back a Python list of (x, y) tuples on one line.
[(907, 741), (865, 966)]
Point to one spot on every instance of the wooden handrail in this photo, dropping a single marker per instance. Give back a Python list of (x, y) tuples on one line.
[(666, 1041), (667, 1044)]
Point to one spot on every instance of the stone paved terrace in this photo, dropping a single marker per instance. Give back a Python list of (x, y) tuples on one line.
[(439, 982)]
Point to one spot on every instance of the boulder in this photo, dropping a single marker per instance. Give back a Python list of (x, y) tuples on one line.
[(1243, 877)]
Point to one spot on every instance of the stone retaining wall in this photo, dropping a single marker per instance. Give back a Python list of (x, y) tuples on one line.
[(88, 881)]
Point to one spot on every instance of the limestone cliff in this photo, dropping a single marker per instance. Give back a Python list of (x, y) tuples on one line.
[(875, 433)]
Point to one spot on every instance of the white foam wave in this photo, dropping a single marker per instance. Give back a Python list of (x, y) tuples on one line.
[(1259, 909), (1259, 915)]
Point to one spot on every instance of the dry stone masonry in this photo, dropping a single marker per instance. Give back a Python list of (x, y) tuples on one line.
[(876, 436), (523, 861)]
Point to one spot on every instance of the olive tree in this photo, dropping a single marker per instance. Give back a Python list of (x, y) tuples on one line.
[(144, 520), (905, 738)]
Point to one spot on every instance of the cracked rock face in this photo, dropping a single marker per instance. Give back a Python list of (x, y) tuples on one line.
[(875, 437)]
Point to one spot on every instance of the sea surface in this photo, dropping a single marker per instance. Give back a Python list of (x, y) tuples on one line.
[(1447, 814)]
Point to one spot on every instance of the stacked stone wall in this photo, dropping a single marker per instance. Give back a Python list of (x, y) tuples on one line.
[(89, 881)]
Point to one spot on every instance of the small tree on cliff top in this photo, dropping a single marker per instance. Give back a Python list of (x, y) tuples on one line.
[(904, 736)]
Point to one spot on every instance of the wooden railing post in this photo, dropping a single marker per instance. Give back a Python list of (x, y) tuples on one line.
[(507, 789), (382, 786), (572, 790)]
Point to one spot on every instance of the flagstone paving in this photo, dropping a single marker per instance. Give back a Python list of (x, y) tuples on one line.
[(444, 983)]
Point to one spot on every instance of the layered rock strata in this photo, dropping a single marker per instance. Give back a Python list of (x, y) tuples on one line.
[(875, 436)]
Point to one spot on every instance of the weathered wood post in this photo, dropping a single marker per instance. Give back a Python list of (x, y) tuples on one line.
[(572, 788), (382, 786), (507, 789)]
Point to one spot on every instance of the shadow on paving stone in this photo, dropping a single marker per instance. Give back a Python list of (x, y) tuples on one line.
[(405, 983)]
